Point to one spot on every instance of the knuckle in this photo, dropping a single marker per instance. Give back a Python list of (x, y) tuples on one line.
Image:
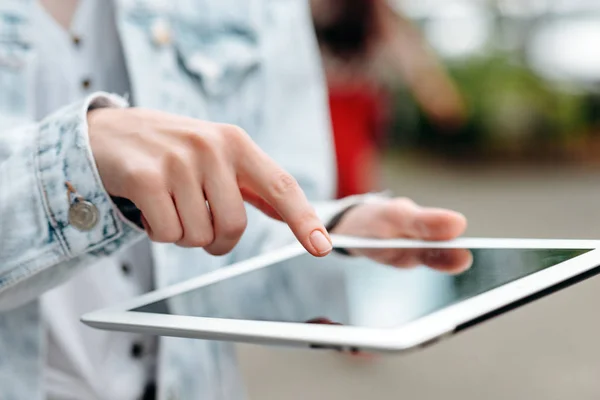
[(177, 162), (202, 239), (215, 252), (234, 136), (404, 202), (401, 208), (305, 217), (166, 235), (204, 142), (284, 184), (220, 250), (233, 229), (232, 132)]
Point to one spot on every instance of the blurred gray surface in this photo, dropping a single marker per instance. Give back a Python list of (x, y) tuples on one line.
[(547, 350)]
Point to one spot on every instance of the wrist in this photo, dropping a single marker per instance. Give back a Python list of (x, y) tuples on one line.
[(336, 226), (98, 120), (100, 107)]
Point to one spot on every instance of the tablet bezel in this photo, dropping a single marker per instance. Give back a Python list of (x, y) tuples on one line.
[(420, 332)]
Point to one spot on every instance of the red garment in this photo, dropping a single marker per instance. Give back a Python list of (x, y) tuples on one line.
[(357, 115)]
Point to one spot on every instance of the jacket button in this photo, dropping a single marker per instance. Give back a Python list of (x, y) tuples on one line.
[(137, 350), (126, 269), (76, 39), (161, 32), (83, 215), (86, 83)]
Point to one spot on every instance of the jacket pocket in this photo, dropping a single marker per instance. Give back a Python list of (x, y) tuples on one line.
[(219, 42)]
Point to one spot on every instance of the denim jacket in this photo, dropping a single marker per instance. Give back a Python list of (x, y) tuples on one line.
[(253, 63)]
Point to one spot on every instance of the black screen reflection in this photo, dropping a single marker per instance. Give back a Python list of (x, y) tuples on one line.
[(358, 291)]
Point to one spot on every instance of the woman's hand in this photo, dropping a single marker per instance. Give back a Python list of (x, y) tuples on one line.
[(402, 218), (190, 178)]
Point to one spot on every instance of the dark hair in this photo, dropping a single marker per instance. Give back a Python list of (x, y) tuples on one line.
[(348, 35)]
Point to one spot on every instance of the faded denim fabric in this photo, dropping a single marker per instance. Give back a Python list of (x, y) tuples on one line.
[(253, 63)]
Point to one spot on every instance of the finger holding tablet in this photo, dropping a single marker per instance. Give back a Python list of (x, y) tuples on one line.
[(402, 218)]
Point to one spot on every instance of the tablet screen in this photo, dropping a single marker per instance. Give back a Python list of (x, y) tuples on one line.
[(357, 291)]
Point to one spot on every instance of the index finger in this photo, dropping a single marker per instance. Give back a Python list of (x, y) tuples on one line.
[(259, 173)]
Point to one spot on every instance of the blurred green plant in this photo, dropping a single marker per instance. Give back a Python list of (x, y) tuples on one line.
[(509, 107)]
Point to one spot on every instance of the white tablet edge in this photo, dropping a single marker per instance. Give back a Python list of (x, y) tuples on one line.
[(422, 330), (467, 243)]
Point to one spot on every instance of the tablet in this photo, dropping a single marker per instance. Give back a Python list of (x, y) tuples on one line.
[(287, 297)]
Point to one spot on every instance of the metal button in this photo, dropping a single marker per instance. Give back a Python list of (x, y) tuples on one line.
[(86, 83), (126, 269), (76, 39), (137, 350), (161, 32), (83, 215)]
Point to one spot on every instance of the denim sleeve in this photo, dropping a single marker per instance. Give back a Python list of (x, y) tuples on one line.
[(39, 248)]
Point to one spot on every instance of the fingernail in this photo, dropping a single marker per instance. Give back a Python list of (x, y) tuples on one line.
[(320, 242)]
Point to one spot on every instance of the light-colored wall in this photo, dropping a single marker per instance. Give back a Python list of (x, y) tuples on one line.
[(547, 350)]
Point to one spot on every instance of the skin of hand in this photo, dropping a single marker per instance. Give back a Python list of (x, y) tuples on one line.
[(402, 218), (190, 178)]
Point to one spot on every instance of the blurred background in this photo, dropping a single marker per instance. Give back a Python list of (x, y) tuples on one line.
[(489, 107)]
